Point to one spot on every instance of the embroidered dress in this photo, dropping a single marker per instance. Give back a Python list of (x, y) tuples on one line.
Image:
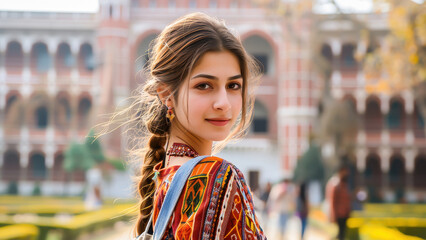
[(214, 204)]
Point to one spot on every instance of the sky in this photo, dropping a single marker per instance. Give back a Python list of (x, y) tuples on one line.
[(93, 5), (88, 6)]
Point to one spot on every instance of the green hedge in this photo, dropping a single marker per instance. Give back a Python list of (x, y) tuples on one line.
[(19, 232), (408, 226)]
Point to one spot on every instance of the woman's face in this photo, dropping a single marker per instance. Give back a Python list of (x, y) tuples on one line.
[(210, 100)]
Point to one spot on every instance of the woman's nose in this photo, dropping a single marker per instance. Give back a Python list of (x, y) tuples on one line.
[(222, 101)]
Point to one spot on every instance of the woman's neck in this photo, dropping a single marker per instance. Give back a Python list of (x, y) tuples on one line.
[(200, 146)]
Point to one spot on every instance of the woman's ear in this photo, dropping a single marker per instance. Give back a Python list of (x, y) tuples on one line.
[(164, 94)]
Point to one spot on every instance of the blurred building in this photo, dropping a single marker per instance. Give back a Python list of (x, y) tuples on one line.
[(58, 71)]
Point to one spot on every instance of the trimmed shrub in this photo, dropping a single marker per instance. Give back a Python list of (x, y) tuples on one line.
[(19, 232), (410, 226), (379, 232)]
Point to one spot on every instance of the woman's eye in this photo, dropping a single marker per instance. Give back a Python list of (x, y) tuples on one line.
[(234, 86), (203, 86)]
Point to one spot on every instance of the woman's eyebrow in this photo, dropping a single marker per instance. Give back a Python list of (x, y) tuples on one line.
[(202, 75)]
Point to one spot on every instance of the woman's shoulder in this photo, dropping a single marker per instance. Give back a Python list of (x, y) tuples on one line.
[(220, 163)]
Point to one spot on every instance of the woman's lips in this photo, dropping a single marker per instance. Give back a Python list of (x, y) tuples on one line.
[(218, 122)]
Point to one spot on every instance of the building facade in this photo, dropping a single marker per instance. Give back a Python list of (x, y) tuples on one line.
[(59, 71)]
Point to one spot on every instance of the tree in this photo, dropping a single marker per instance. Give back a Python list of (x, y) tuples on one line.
[(94, 147), (77, 156), (400, 63), (339, 133)]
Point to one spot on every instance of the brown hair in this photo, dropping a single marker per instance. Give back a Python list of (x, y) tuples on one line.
[(173, 56)]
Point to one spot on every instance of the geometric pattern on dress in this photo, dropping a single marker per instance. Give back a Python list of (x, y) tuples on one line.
[(222, 177), (216, 189), (193, 195)]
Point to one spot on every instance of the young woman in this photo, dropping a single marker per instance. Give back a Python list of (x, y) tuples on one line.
[(198, 96)]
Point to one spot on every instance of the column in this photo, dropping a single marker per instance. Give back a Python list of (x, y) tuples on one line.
[(384, 107), (361, 155), (409, 155), (336, 48), (385, 154), (51, 74)]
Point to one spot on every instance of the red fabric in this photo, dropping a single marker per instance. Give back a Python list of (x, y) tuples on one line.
[(340, 201), (215, 202)]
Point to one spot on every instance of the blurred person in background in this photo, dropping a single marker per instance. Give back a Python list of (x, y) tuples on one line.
[(281, 207), (339, 197), (302, 207)]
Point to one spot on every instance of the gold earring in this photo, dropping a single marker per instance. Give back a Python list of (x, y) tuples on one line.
[(170, 115)]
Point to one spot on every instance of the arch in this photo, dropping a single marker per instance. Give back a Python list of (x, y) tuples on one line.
[(373, 119), (142, 52), (347, 56), (397, 170), (62, 110), (11, 169), (58, 172), (419, 176), (418, 121), (86, 60), (260, 122), (373, 171), (83, 111), (40, 58), (14, 110), (395, 119), (261, 49), (326, 52), (39, 110), (64, 59), (37, 166), (14, 61)]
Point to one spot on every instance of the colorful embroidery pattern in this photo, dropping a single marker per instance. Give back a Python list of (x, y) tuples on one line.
[(194, 194), (215, 204)]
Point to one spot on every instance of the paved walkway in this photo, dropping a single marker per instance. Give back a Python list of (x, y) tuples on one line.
[(122, 231)]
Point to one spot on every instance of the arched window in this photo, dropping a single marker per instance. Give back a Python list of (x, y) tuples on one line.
[(419, 171), (395, 117), (40, 58), (37, 167), (86, 58), (373, 177), (373, 115), (39, 110), (260, 122), (397, 171), (262, 51), (14, 111), (58, 172), (62, 112), (64, 59), (14, 57), (326, 52), (347, 56), (84, 107), (11, 168), (142, 55), (373, 172), (418, 123), (41, 117)]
